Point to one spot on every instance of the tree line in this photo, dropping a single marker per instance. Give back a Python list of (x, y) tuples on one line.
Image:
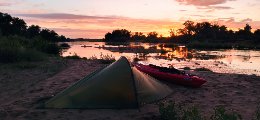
[(10, 26), (201, 31), (19, 42)]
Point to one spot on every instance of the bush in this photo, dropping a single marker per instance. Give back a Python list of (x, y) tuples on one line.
[(257, 113), (16, 49), (45, 46), (192, 114), (104, 59), (50, 48), (221, 114), (169, 111), (64, 45), (75, 56), (10, 55), (173, 111), (107, 59)]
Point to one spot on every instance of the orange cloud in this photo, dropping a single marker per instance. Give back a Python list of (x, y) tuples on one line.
[(81, 26), (75, 26), (202, 2), (209, 5)]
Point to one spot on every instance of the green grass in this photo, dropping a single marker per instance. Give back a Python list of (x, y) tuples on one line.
[(192, 114), (257, 113), (11, 55), (220, 113), (173, 111), (104, 59), (169, 111), (18, 49), (107, 59)]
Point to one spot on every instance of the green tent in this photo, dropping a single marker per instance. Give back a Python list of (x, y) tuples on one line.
[(116, 86)]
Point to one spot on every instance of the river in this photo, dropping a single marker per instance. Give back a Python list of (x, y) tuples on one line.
[(221, 60)]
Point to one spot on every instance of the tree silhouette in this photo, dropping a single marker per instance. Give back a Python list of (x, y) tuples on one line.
[(152, 37), (200, 32), (204, 30), (244, 34), (18, 26), (33, 31), (108, 36), (62, 38), (189, 27), (247, 28), (49, 35), (5, 24), (15, 26), (257, 36), (138, 36), (122, 35), (172, 33)]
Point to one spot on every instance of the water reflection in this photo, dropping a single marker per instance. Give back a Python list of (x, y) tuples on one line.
[(166, 53)]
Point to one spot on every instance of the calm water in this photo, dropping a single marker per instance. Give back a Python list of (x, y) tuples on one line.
[(223, 61)]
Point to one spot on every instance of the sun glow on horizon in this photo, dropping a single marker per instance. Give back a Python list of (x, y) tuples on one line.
[(94, 18)]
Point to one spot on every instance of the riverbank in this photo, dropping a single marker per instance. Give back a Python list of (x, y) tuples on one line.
[(24, 87)]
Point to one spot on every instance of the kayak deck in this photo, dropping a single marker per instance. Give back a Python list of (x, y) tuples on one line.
[(171, 75)]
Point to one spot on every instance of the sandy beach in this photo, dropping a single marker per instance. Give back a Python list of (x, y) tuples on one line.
[(24, 90)]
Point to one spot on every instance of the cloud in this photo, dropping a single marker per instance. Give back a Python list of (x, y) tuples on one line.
[(212, 8), (202, 2), (85, 26), (247, 20), (79, 33), (5, 3), (208, 5), (234, 24), (220, 7), (182, 10), (63, 16)]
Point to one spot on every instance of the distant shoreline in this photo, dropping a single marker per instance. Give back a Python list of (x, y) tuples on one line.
[(243, 45), (86, 40)]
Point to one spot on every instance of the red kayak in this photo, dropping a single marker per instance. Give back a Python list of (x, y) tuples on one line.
[(171, 75)]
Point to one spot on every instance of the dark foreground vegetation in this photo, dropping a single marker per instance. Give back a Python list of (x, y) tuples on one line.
[(19, 42), (195, 35), (174, 111)]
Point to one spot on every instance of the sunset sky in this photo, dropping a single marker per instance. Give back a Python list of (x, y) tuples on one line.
[(94, 18)]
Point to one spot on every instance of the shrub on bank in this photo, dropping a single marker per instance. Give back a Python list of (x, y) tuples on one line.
[(75, 56), (174, 111), (16, 49), (169, 111), (220, 113), (64, 45), (10, 55)]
